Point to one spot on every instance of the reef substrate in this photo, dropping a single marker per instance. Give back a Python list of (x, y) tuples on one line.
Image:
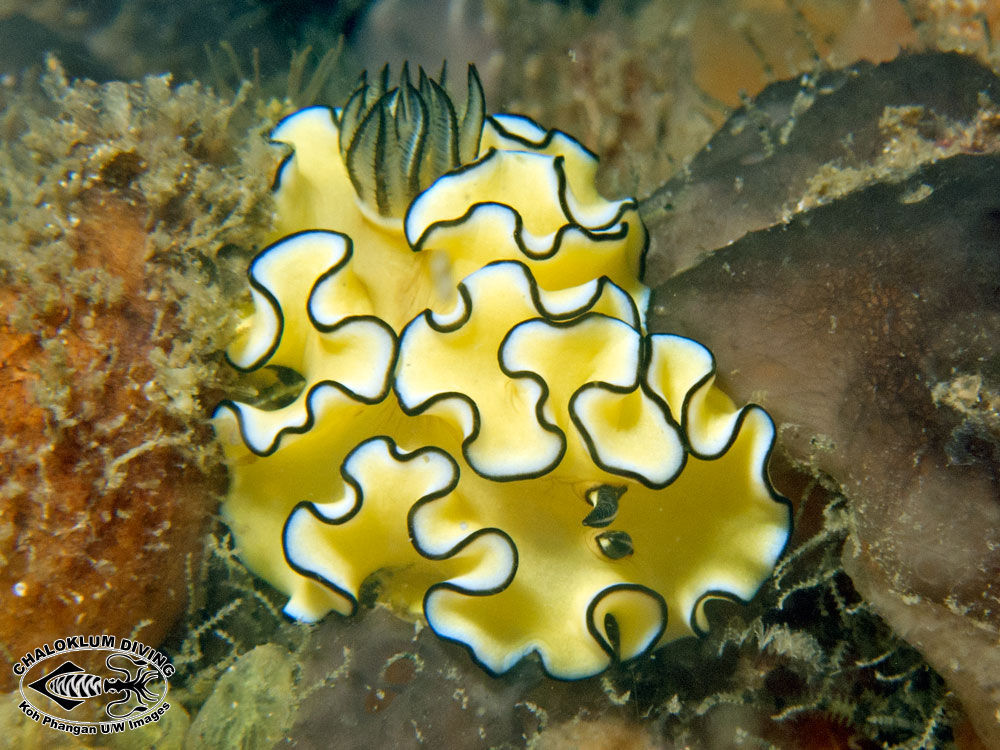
[(113, 200), (859, 302)]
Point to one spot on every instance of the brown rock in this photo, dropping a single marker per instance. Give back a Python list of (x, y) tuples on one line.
[(848, 324), (805, 142)]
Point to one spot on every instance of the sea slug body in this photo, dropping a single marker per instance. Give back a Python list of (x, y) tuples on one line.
[(485, 423)]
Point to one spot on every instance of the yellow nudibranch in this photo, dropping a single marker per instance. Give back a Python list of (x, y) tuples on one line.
[(485, 428)]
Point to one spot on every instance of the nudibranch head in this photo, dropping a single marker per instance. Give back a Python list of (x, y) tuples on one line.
[(485, 425), (396, 142)]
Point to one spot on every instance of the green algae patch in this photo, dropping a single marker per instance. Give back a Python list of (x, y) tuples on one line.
[(252, 704), (166, 734)]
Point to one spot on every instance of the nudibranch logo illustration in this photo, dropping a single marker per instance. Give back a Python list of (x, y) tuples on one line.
[(129, 684), (485, 426)]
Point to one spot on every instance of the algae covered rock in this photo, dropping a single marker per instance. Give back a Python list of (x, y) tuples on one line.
[(112, 199)]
